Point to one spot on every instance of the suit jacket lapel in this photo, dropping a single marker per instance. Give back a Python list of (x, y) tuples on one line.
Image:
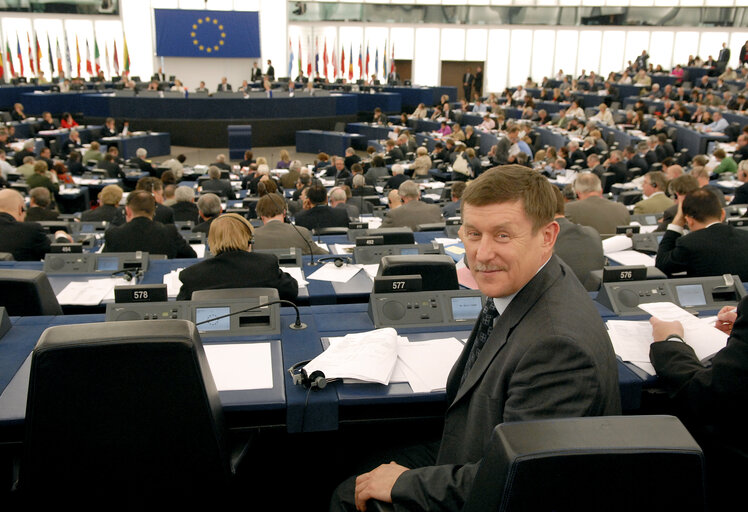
[(518, 308)]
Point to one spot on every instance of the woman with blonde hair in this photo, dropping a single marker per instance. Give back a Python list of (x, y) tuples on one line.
[(285, 160), (233, 264)]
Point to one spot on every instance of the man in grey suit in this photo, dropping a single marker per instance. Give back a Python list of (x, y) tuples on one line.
[(275, 233), (546, 355), (580, 247), (413, 211), (591, 209)]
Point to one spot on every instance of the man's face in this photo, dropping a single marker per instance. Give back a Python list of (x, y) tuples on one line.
[(501, 248), (647, 187), (339, 164)]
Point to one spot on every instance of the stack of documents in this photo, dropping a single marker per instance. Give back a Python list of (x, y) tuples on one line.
[(329, 272), (91, 292), (618, 248), (238, 366), (631, 339), (172, 282)]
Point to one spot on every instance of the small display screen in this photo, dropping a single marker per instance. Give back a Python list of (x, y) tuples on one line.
[(466, 308), (203, 314), (650, 220), (408, 252), (87, 228), (690, 295), (107, 264)]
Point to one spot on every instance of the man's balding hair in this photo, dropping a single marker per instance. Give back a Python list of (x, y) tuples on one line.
[(184, 194), (209, 205), (587, 182), (409, 189), (141, 203)]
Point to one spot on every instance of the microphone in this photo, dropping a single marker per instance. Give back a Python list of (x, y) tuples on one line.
[(128, 274), (297, 325)]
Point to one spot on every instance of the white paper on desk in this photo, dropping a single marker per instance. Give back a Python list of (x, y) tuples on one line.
[(430, 362), (297, 274), (367, 356), (172, 282), (616, 244), (91, 292), (729, 183), (703, 338), (371, 269), (648, 229), (199, 249), (433, 197), (322, 246), (374, 222), (329, 272), (447, 241), (343, 248), (240, 365), (632, 258)]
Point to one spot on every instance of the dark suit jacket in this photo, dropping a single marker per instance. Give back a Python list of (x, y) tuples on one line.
[(112, 169), (713, 251), (237, 269), (279, 235), (36, 213), (396, 153), (373, 173), (322, 217), (104, 212), (411, 214), (741, 195), (638, 161), (143, 234), (219, 187), (581, 248), (143, 165), (542, 360), (203, 227), (185, 211), (395, 181), (26, 241)]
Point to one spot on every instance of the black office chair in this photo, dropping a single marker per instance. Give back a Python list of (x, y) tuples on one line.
[(431, 226), (330, 231), (124, 411), (27, 293), (611, 463)]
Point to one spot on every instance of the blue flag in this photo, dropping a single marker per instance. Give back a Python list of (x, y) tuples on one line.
[(193, 33)]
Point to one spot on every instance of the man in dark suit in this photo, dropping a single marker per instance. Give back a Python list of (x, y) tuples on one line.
[(452, 208), (351, 158), (376, 170), (155, 187), (26, 241), (276, 233), (142, 233), (393, 78), (39, 200), (710, 399), (636, 160), (394, 151), (185, 209), (216, 185), (223, 86), (538, 349), (398, 177), (467, 83), (108, 209), (478, 82), (711, 248), (111, 167), (741, 193), (209, 208), (140, 161), (413, 211), (319, 214)]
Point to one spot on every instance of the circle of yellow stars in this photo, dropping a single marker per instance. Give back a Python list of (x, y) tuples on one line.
[(206, 22)]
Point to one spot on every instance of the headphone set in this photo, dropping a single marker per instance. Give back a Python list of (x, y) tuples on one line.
[(315, 381), (337, 260), (128, 274)]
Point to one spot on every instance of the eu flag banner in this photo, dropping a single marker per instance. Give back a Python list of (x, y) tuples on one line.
[(195, 33)]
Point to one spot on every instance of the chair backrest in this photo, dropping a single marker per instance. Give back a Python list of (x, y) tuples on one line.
[(122, 408), (27, 293), (583, 463)]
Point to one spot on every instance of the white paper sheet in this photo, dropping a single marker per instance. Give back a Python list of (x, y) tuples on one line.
[(616, 244), (632, 258), (329, 272), (91, 292), (430, 361), (297, 274), (238, 366), (199, 249), (172, 282), (343, 248)]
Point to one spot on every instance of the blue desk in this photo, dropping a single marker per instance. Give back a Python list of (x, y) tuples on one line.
[(369, 131), (332, 143), (157, 144)]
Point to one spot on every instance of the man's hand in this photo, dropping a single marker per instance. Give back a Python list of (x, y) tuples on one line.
[(377, 484), (662, 329), (680, 219), (725, 318)]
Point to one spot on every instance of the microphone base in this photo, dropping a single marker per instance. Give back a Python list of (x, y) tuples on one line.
[(299, 327)]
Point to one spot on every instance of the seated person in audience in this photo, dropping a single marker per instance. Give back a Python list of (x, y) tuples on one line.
[(93, 154), (39, 201), (711, 248), (28, 150), (726, 163), (140, 161), (393, 151), (741, 150), (317, 214), (41, 178), (201, 88), (617, 166), (223, 86), (377, 169), (209, 208), (47, 123), (285, 160), (413, 211), (440, 153), (26, 241), (170, 195), (216, 185), (635, 157), (248, 159), (17, 114), (111, 167), (221, 163), (420, 112), (398, 177), (452, 208), (27, 168), (718, 124), (741, 193), (604, 115), (678, 187), (351, 158), (379, 117), (109, 209), (591, 209), (109, 130), (709, 398), (578, 246), (184, 207), (234, 265), (289, 179), (275, 233), (142, 233), (67, 121), (155, 187), (525, 367), (702, 176), (653, 190), (471, 139), (5, 166), (422, 163), (73, 144), (338, 201)]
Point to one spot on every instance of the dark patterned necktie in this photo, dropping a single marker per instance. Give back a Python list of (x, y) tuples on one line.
[(487, 316)]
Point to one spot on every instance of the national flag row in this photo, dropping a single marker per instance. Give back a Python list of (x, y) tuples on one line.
[(342, 67), (56, 64)]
